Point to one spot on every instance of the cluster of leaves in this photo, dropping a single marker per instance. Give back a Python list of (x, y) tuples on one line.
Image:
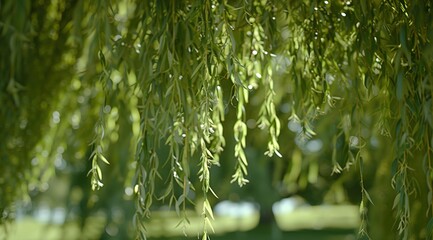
[(168, 72)]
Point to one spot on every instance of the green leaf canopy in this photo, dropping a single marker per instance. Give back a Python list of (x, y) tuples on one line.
[(161, 89)]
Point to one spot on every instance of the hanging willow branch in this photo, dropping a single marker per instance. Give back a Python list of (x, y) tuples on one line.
[(179, 70)]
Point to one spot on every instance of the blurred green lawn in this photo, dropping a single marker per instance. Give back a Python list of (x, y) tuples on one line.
[(30, 229)]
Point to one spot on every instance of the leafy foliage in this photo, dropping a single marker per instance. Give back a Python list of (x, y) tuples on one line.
[(161, 78)]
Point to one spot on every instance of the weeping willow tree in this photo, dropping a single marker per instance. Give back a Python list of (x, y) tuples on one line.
[(157, 89)]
